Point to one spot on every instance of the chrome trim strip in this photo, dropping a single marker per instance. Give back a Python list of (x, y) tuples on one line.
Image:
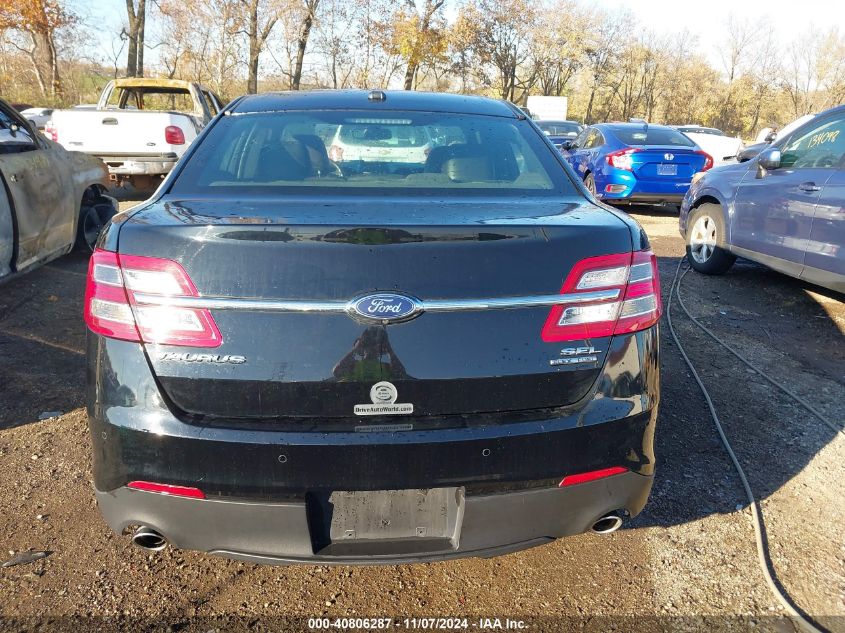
[(339, 307)]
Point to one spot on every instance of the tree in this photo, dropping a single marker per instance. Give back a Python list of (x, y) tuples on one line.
[(601, 49), (199, 41), (135, 34), (39, 20), (502, 39), (335, 34), (260, 17), (558, 50), (735, 54), (309, 11)]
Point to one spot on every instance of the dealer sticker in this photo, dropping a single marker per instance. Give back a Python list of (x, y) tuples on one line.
[(384, 395)]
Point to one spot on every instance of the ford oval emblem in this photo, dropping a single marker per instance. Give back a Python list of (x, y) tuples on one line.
[(385, 307)]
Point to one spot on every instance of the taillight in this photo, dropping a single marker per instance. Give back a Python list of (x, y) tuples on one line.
[(336, 153), (622, 159), (51, 131), (606, 295), (173, 135), (708, 160), (167, 489), (113, 308)]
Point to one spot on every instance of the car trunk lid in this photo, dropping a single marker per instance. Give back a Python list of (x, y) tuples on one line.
[(314, 366), (666, 163)]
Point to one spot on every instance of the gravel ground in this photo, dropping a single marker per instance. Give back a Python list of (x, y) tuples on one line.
[(688, 561)]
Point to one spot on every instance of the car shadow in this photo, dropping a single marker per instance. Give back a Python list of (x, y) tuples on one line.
[(779, 325), (42, 342)]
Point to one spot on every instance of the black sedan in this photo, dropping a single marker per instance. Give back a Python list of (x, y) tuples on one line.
[(372, 358)]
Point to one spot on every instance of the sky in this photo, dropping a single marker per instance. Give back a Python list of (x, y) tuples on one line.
[(706, 20), (790, 18)]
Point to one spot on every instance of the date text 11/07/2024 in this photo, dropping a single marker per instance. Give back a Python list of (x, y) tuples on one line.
[(431, 624)]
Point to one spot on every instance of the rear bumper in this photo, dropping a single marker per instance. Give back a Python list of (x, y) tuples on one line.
[(279, 533), (649, 198), (139, 165), (626, 188), (259, 481)]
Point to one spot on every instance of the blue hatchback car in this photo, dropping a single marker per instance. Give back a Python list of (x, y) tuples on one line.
[(624, 163)]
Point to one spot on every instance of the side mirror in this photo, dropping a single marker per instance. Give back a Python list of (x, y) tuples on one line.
[(568, 145), (770, 158)]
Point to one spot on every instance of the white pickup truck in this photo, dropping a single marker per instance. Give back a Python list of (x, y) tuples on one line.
[(140, 127)]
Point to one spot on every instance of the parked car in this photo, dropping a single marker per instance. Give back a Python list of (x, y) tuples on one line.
[(373, 143), (37, 116), (752, 150), (625, 163), (295, 360), (723, 148), (140, 127), (560, 131), (784, 208), (49, 198)]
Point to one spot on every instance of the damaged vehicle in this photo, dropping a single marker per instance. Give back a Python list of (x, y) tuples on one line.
[(50, 199), (140, 127)]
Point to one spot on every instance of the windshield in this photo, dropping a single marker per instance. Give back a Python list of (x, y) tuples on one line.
[(347, 152), (701, 130), (559, 128), (652, 136)]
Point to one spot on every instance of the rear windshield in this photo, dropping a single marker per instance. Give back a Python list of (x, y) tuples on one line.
[(652, 136), (701, 130), (348, 152)]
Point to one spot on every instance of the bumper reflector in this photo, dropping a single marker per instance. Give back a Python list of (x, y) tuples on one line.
[(167, 489), (593, 475), (615, 188)]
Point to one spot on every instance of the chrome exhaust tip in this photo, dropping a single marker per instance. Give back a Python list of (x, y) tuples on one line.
[(148, 539), (607, 524)]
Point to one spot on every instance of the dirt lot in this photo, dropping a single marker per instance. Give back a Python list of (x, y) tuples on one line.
[(689, 555)]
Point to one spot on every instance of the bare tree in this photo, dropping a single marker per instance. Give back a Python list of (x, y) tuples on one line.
[(601, 47), (735, 53), (260, 18), (309, 11), (135, 34)]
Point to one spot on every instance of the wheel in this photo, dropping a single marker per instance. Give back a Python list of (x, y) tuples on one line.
[(590, 183), (705, 240), (94, 214)]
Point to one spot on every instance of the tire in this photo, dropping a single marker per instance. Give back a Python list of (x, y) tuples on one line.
[(705, 241), (95, 213), (590, 184)]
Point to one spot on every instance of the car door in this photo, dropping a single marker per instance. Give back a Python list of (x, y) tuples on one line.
[(825, 259), (773, 209), (38, 181), (584, 157), (7, 233), (577, 150)]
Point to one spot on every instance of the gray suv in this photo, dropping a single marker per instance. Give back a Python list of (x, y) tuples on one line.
[(785, 208)]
